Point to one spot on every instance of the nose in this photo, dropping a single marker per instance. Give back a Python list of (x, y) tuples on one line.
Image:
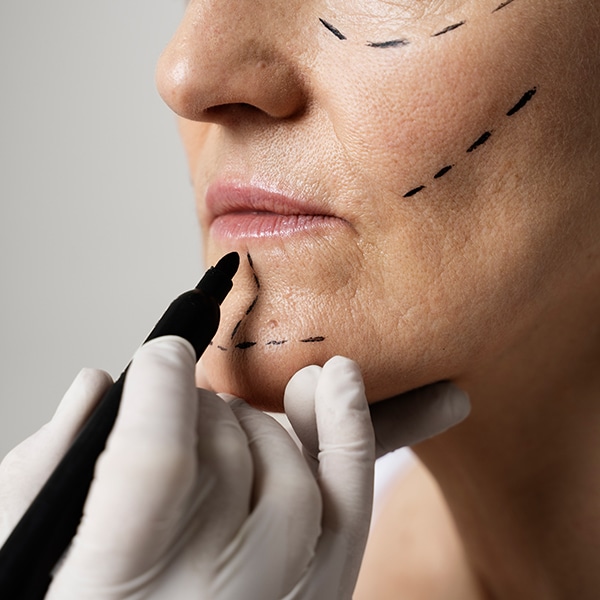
[(229, 55)]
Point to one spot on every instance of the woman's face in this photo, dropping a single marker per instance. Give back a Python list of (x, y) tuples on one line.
[(410, 183)]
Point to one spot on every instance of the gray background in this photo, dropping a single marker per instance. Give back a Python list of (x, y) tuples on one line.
[(97, 224)]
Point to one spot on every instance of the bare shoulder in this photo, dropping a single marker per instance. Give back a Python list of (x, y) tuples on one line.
[(414, 551)]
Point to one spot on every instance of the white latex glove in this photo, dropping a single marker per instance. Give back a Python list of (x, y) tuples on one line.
[(25, 469), (403, 420), (202, 499), (195, 498)]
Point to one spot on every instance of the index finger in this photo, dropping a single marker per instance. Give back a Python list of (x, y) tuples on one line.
[(412, 417)]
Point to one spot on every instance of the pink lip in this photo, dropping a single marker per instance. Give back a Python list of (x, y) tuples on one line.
[(238, 212)]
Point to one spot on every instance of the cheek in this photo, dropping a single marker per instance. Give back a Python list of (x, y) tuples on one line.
[(457, 271), (408, 121)]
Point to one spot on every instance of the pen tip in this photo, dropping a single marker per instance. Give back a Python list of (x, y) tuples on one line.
[(229, 264)]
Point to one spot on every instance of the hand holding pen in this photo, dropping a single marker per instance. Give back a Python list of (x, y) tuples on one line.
[(195, 497)]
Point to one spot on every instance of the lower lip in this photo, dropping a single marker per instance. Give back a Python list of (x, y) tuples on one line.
[(258, 225)]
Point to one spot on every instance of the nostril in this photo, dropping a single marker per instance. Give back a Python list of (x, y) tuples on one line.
[(220, 109), (234, 112)]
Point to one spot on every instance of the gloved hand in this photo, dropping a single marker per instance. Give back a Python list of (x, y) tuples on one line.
[(400, 421), (196, 498)]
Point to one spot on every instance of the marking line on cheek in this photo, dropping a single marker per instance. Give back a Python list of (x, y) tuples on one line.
[(245, 345), (442, 172), (414, 191), (503, 5), (389, 44), (338, 34), (449, 28), (527, 96), (482, 139)]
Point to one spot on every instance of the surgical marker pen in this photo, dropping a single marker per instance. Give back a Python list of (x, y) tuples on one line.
[(45, 531)]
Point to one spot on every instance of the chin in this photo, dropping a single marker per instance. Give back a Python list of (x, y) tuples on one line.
[(260, 375), (257, 375)]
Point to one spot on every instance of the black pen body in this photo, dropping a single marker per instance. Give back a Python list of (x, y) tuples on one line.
[(45, 531)]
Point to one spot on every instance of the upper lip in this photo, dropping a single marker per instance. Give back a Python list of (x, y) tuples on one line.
[(229, 198)]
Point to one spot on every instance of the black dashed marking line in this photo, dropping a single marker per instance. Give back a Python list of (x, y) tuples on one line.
[(251, 307), (449, 29), (251, 263), (388, 44), (503, 5), (245, 345), (235, 329), (527, 96), (414, 191), (338, 34), (482, 139), (442, 172)]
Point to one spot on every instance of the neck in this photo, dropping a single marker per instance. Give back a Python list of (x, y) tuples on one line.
[(521, 474)]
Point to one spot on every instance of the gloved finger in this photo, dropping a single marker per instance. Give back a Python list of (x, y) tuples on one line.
[(299, 406), (282, 531), (415, 416), (144, 476), (225, 482), (202, 381), (346, 467), (26, 468)]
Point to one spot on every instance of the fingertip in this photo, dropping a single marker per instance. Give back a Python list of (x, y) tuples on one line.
[(94, 377), (83, 394), (341, 362), (417, 415), (342, 411), (301, 387), (342, 381), (456, 401)]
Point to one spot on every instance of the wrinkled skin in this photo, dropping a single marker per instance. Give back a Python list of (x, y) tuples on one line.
[(489, 275), (434, 286)]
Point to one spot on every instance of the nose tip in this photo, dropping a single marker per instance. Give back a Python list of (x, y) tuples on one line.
[(206, 73)]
